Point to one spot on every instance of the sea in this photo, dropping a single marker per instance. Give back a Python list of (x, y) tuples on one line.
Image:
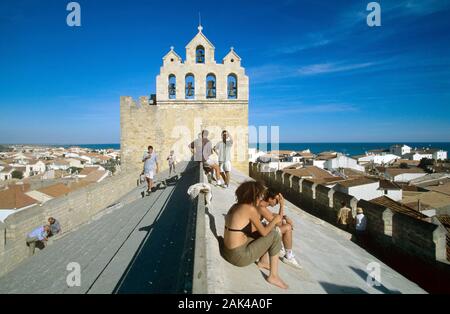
[(349, 149)]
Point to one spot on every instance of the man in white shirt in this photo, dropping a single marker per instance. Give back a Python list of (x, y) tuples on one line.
[(151, 167), (360, 221), (223, 150)]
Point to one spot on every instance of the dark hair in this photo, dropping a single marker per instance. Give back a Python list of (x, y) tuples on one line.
[(224, 131), (249, 192), (343, 203), (150, 147), (270, 193)]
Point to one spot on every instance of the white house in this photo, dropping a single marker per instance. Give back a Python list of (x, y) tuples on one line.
[(378, 159), (71, 155), (440, 155), (60, 164), (403, 175), (319, 163), (35, 167), (342, 161), (75, 162), (6, 173), (254, 154), (303, 156), (400, 150), (391, 190), (360, 188), (419, 155), (21, 159)]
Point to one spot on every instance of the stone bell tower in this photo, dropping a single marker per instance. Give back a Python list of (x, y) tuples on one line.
[(191, 95)]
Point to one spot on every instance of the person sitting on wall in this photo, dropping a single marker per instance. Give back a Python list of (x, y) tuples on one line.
[(241, 248), (344, 217), (55, 227), (37, 237), (285, 227)]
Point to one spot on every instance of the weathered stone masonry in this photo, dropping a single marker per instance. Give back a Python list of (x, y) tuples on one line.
[(71, 210), (174, 120)]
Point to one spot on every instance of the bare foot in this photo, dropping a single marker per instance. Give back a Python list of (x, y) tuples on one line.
[(263, 265), (276, 281)]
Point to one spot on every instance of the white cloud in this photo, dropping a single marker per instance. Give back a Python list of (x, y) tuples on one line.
[(323, 68), (272, 72)]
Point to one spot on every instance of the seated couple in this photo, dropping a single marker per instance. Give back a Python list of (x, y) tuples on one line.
[(247, 239)]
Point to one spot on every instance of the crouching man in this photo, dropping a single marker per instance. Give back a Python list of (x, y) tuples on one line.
[(37, 237)]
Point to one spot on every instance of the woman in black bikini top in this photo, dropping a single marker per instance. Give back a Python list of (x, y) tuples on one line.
[(243, 251)]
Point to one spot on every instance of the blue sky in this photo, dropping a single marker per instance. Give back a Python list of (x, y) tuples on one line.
[(316, 69)]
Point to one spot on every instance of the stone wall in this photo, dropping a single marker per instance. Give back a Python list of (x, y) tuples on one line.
[(167, 126), (71, 210), (389, 229)]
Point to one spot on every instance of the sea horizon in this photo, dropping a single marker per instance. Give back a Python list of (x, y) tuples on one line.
[(347, 148)]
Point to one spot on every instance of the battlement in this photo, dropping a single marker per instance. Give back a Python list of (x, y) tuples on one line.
[(172, 125), (419, 241), (71, 210)]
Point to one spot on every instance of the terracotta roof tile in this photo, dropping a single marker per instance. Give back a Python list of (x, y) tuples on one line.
[(398, 207), (55, 190), (309, 171), (15, 199), (356, 182)]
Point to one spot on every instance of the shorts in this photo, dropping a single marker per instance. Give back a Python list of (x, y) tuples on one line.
[(225, 166), (149, 174), (210, 162)]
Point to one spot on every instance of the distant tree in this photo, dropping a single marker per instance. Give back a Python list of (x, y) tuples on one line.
[(404, 165), (111, 165), (4, 148), (425, 163), (17, 174)]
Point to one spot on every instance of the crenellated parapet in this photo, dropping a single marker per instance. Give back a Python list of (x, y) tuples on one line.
[(388, 228)]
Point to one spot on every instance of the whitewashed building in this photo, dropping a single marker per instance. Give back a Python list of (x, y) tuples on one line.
[(6, 173), (421, 155), (391, 190), (378, 159), (342, 161), (403, 175), (254, 154), (35, 167), (400, 150), (440, 155), (360, 188)]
